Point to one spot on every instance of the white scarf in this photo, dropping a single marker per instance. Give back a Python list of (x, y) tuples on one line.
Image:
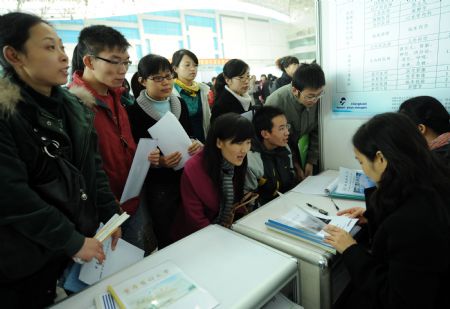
[(245, 100)]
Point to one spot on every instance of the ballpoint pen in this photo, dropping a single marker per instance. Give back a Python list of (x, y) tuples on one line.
[(323, 212), (334, 203)]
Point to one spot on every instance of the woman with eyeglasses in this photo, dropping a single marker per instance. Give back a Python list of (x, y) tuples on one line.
[(152, 86), (231, 89), (185, 65), (213, 180), (53, 190)]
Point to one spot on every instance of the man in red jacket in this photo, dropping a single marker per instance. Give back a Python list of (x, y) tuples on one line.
[(100, 63)]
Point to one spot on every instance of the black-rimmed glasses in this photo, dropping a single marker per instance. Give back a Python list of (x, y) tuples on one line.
[(125, 63), (311, 97), (159, 78)]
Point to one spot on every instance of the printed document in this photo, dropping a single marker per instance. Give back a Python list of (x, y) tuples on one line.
[(139, 169), (171, 137)]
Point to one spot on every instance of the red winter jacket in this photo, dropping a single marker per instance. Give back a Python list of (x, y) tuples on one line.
[(116, 143)]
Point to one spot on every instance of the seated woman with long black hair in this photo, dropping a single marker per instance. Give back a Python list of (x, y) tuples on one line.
[(213, 179), (407, 263)]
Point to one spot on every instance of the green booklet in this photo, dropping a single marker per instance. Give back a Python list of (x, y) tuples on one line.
[(303, 146)]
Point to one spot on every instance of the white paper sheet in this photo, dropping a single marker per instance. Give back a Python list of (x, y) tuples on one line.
[(139, 169), (171, 137), (123, 256), (316, 185)]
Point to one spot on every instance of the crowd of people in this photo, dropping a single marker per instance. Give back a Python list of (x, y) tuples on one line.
[(66, 153)]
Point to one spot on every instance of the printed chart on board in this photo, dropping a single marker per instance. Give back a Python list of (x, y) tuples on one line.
[(384, 52)]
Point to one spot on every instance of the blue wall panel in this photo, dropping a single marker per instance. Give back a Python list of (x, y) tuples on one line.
[(200, 22), (161, 27), (68, 36), (129, 33)]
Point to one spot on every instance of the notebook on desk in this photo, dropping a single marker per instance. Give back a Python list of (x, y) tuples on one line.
[(348, 184)]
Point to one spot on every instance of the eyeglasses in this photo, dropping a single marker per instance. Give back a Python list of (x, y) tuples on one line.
[(125, 63), (284, 127), (159, 78), (242, 78), (312, 97)]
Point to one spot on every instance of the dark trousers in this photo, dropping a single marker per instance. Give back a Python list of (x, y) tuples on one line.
[(35, 291), (163, 201)]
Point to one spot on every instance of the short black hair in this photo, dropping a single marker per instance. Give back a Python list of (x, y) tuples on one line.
[(262, 120), (308, 76), (95, 39), (15, 32), (428, 111)]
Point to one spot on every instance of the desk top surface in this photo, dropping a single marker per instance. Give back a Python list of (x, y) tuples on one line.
[(253, 225), (239, 272)]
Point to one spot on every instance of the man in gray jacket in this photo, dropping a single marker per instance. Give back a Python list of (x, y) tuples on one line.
[(299, 102)]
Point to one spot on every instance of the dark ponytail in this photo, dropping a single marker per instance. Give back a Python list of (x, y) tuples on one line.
[(77, 60), (136, 86), (219, 86)]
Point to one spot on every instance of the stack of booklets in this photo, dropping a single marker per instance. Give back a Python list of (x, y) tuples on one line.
[(302, 225), (349, 184), (164, 286)]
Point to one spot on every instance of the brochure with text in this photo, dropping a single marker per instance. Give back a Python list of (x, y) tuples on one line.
[(164, 286), (301, 224)]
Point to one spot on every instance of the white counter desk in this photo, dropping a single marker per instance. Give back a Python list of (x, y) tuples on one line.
[(239, 272), (318, 269)]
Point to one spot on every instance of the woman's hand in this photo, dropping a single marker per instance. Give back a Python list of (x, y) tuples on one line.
[(195, 147), (338, 238), (354, 212), (91, 248), (153, 157), (170, 160)]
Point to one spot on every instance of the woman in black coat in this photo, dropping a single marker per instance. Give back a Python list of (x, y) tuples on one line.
[(152, 86), (231, 89), (406, 263)]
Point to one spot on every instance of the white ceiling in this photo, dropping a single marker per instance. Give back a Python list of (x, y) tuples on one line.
[(286, 10)]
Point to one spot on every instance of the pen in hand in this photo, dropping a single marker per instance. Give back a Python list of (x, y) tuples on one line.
[(323, 212)]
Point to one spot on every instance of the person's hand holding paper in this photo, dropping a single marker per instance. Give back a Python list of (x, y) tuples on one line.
[(172, 140), (195, 147)]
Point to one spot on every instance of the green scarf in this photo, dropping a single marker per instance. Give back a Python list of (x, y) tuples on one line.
[(190, 90)]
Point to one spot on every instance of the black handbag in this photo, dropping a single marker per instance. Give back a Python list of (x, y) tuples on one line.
[(65, 188)]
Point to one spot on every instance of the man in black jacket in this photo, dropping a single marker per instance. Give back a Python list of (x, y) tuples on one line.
[(270, 167)]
